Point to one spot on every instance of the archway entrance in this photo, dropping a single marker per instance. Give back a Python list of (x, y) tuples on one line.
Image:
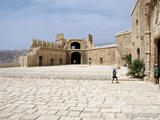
[(40, 60), (76, 58)]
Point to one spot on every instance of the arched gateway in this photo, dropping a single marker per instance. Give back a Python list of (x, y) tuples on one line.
[(76, 58)]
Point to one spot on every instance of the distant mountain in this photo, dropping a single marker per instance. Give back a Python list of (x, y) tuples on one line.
[(11, 56)]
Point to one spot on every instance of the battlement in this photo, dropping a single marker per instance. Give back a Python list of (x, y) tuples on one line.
[(38, 43), (90, 37), (123, 32), (60, 36)]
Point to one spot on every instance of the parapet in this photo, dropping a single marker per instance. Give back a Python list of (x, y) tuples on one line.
[(123, 32), (41, 43), (60, 36)]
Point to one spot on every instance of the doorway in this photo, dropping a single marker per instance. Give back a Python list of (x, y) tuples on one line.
[(51, 61), (76, 58), (40, 60)]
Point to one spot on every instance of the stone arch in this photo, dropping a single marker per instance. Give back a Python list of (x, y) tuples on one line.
[(75, 45)]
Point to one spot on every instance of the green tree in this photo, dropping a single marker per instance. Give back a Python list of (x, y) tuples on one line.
[(127, 58), (137, 68)]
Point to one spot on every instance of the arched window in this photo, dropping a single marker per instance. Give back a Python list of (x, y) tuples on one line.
[(75, 45)]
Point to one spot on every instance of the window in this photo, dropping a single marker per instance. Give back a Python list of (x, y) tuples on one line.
[(138, 53), (136, 22)]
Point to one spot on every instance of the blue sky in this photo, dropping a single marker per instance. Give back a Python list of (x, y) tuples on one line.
[(22, 20)]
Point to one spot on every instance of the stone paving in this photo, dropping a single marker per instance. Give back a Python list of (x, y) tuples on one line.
[(92, 72), (51, 99)]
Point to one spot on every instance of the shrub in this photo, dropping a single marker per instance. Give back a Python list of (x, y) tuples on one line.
[(127, 58), (136, 68)]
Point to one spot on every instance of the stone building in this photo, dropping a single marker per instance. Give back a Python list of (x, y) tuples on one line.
[(67, 51), (143, 40)]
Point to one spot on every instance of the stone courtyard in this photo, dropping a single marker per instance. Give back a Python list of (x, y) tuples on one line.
[(55, 98)]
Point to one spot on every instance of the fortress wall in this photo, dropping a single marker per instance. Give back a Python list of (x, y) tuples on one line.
[(48, 54), (124, 45), (103, 55)]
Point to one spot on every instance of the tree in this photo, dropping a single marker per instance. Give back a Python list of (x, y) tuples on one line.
[(137, 68), (127, 58)]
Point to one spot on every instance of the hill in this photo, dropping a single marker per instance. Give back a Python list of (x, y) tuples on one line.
[(9, 58)]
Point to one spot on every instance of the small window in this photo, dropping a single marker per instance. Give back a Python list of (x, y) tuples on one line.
[(138, 53), (136, 22), (101, 60)]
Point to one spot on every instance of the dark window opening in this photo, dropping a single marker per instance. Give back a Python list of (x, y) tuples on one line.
[(75, 45), (136, 22), (138, 53)]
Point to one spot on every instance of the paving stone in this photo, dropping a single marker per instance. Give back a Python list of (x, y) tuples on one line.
[(76, 108), (62, 112), (74, 99), (48, 117), (16, 116), (91, 109), (70, 118), (73, 113), (30, 117), (52, 112), (92, 118)]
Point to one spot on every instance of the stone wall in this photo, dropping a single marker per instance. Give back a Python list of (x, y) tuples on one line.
[(138, 29), (49, 57), (124, 45), (103, 55)]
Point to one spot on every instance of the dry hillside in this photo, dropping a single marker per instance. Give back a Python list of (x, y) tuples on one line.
[(9, 58)]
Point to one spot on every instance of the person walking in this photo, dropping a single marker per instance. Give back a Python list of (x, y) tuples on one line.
[(114, 75), (156, 74)]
